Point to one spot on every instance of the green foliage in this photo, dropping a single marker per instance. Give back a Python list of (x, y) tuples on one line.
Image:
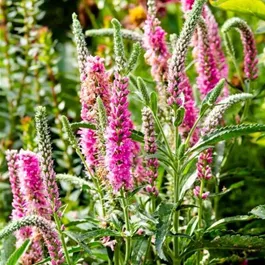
[(212, 96), (14, 258), (259, 211), (165, 212), (227, 133), (249, 7)]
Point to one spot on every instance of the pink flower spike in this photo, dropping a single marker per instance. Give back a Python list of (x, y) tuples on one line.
[(32, 185), (204, 170), (119, 146), (206, 65), (248, 40), (19, 209), (96, 83)]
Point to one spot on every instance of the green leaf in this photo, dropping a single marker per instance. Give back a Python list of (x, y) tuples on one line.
[(237, 242), (249, 7), (153, 97), (212, 96), (101, 232), (232, 219), (137, 136), (7, 249), (77, 125), (139, 249), (14, 258), (132, 62), (232, 187), (227, 133), (141, 86), (259, 211), (165, 212), (192, 260)]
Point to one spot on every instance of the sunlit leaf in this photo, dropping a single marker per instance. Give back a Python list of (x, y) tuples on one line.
[(249, 7)]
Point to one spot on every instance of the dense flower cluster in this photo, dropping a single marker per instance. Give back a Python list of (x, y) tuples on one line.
[(150, 144), (96, 84), (119, 146), (250, 50), (157, 53), (208, 74), (30, 198)]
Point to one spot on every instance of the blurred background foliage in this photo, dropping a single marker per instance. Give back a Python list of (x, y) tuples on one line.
[(39, 67)]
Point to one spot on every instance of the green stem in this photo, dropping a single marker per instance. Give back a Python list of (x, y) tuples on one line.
[(200, 204), (193, 129), (176, 198), (127, 225), (164, 136), (58, 224), (95, 180), (231, 53), (200, 217), (246, 107), (117, 254)]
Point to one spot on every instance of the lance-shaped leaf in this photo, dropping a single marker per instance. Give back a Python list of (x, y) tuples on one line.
[(259, 211), (248, 7), (165, 212), (14, 258), (231, 219), (227, 133), (68, 130), (132, 62), (144, 91), (212, 96)]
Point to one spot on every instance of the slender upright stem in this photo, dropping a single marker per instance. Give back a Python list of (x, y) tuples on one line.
[(200, 217), (117, 253), (176, 199), (127, 225), (58, 224), (95, 181), (200, 204)]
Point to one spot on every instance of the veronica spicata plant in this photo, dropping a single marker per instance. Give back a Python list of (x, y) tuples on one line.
[(152, 189)]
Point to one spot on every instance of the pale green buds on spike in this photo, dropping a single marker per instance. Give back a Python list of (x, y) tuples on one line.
[(212, 96), (215, 116), (32, 220), (82, 51), (180, 113), (177, 63), (77, 181), (118, 46), (173, 40), (216, 92), (144, 91), (102, 116), (68, 130), (133, 58), (151, 4), (46, 161), (125, 33), (101, 125)]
